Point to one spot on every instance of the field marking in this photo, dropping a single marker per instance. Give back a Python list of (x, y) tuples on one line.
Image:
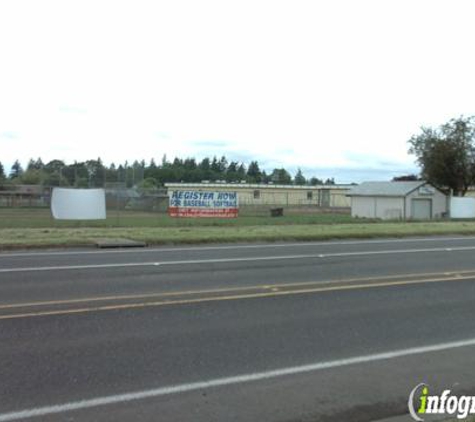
[(268, 294), (232, 380), (240, 259), (232, 247), (444, 275)]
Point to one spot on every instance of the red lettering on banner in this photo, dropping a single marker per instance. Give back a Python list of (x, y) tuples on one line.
[(203, 212)]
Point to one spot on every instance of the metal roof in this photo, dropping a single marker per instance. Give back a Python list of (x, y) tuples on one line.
[(255, 186), (385, 188)]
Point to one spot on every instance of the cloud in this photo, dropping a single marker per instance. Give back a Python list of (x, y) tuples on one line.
[(242, 156), (210, 144), (72, 109), (371, 161), (325, 90), (355, 175), (163, 135), (9, 135)]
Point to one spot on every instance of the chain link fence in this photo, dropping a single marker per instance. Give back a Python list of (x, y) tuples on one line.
[(122, 200), (118, 198)]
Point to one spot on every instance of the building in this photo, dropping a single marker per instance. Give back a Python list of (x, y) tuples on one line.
[(398, 200), (25, 196), (325, 196)]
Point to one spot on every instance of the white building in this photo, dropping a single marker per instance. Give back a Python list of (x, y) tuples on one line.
[(417, 200), (325, 196)]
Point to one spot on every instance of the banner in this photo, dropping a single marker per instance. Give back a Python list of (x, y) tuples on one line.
[(192, 203), (78, 204)]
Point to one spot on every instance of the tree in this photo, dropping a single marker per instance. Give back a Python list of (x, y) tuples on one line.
[(254, 174), (205, 164), (2, 172), (111, 173), (152, 166), (406, 178), (205, 168), (447, 154), (55, 179), (54, 166), (33, 176), (241, 172), (121, 174), (16, 171), (265, 178), (232, 167), (314, 181), (148, 184), (96, 172), (299, 178), (281, 176), (75, 174), (223, 164), (215, 165), (35, 165)]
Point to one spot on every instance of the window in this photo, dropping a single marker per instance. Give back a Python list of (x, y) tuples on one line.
[(309, 195), (257, 194)]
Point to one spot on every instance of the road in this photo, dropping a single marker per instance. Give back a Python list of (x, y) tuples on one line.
[(277, 332)]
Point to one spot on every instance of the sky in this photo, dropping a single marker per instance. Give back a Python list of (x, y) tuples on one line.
[(335, 87)]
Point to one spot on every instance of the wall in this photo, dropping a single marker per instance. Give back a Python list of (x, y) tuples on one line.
[(363, 206), (270, 195), (462, 207), (386, 208), (390, 208)]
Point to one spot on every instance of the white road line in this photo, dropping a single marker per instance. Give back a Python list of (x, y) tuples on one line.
[(231, 260), (78, 267), (232, 247), (219, 382)]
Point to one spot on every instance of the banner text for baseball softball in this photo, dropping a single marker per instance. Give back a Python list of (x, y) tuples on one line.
[(192, 203)]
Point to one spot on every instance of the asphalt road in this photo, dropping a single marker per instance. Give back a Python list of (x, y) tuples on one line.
[(277, 332)]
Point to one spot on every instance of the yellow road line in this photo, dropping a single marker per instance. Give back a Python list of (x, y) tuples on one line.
[(232, 297), (271, 287)]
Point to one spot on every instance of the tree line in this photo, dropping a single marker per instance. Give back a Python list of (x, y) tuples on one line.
[(446, 156), (93, 173)]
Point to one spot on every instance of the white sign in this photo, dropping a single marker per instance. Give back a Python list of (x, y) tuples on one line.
[(192, 203), (426, 190), (78, 204), (462, 207)]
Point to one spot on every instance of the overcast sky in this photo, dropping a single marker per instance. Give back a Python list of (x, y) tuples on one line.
[(335, 87)]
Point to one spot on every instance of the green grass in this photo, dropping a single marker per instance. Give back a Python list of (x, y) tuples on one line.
[(35, 228), (26, 227), (41, 218)]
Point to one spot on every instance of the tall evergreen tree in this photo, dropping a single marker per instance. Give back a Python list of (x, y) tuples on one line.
[(299, 178), (254, 174), (93, 173), (16, 171), (35, 164)]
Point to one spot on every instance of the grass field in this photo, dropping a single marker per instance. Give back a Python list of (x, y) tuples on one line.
[(41, 218), (22, 228)]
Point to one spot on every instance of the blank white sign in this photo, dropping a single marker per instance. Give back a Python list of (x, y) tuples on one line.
[(462, 207), (78, 204)]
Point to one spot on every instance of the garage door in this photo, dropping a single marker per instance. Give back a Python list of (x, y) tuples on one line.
[(421, 209)]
